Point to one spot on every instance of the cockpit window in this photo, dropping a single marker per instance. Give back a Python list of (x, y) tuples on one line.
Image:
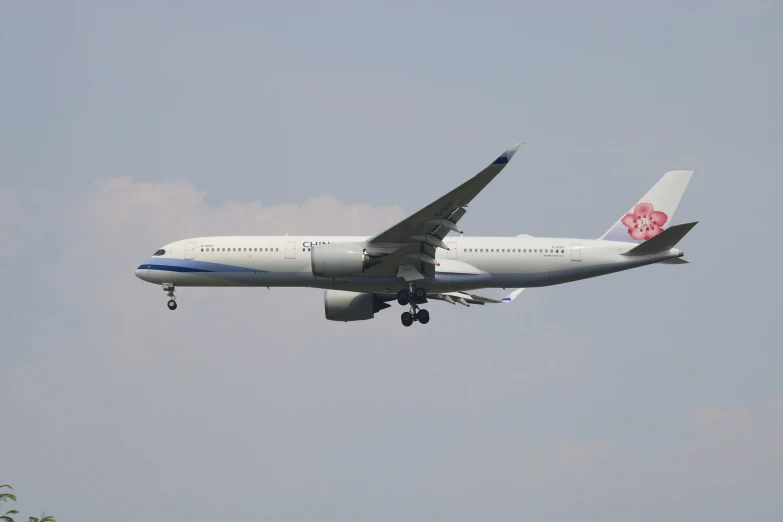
[(159, 252)]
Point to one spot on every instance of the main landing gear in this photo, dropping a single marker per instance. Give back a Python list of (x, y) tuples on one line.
[(169, 289), (414, 297)]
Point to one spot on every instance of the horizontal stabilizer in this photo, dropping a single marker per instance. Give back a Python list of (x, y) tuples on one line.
[(674, 261), (663, 241)]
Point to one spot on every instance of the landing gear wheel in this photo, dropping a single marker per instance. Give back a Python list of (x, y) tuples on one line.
[(423, 316), (403, 297), (420, 294), (407, 319), (169, 289)]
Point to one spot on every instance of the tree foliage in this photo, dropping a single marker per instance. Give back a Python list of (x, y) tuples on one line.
[(43, 518), (6, 496)]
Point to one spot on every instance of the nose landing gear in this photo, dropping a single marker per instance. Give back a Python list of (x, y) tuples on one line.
[(169, 289)]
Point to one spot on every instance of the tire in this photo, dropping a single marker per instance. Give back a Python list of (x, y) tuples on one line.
[(403, 297), (423, 316), (407, 319), (172, 305), (420, 294)]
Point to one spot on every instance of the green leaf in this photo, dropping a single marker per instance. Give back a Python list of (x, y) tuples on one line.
[(5, 497), (44, 518)]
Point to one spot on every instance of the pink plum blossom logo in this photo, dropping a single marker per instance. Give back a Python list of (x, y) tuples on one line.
[(645, 222)]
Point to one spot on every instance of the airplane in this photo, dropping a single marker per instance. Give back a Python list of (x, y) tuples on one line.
[(415, 261)]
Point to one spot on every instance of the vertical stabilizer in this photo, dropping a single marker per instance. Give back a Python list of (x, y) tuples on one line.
[(654, 212)]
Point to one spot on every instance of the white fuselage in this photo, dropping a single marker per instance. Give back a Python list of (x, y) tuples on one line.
[(470, 264)]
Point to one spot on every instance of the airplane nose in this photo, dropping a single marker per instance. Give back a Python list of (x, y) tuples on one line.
[(143, 273)]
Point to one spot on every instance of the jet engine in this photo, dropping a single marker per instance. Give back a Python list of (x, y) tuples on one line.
[(340, 260), (340, 305)]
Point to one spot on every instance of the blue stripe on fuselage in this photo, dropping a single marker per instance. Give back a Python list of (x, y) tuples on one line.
[(172, 268), (191, 265)]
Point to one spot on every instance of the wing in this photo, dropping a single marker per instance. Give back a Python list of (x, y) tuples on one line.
[(469, 299), (414, 239), (463, 298)]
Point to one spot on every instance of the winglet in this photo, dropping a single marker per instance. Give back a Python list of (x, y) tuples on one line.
[(513, 295), (506, 156)]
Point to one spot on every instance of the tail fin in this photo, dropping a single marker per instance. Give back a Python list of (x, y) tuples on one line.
[(663, 241), (653, 212)]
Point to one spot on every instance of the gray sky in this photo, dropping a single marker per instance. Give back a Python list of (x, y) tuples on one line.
[(650, 394)]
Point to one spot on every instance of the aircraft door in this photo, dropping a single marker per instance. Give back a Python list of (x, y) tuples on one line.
[(190, 250), (290, 250), (576, 252), (452, 250)]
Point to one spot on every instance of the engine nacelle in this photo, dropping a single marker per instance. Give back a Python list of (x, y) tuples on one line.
[(340, 305), (339, 260)]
